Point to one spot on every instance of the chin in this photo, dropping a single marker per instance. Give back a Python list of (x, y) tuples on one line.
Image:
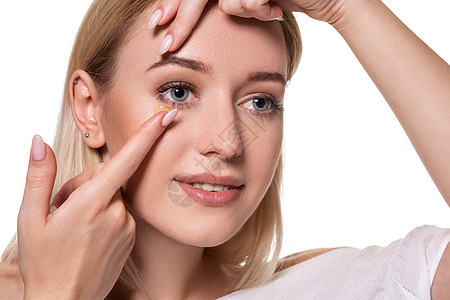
[(204, 231)]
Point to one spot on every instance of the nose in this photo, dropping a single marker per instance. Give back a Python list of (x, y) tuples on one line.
[(221, 135)]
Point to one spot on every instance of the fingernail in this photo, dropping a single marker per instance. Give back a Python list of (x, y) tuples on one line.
[(162, 107), (168, 118), (37, 149), (279, 19), (165, 44), (154, 19)]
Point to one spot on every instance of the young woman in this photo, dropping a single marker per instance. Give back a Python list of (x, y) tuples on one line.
[(192, 194)]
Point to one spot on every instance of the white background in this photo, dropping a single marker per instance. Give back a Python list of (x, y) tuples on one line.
[(352, 177)]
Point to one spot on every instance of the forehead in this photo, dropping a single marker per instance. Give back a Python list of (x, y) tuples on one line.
[(226, 43)]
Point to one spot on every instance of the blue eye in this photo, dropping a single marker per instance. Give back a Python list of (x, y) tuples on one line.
[(264, 106), (179, 94), (260, 104)]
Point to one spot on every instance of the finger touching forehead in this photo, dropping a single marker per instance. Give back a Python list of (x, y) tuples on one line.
[(221, 40), (229, 38)]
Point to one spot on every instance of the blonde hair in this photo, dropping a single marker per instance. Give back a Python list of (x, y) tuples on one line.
[(252, 255)]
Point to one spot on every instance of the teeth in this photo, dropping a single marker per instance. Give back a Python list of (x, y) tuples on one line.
[(211, 187)]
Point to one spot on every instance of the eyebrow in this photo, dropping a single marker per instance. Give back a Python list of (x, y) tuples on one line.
[(192, 64), (200, 66), (267, 76)]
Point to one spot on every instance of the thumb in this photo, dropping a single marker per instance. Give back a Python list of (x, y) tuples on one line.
[(39, 183)]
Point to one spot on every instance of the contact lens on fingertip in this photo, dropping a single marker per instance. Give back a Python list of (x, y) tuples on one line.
[(162, 107)]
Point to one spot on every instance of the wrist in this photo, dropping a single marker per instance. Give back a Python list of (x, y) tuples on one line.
[(350, 14)]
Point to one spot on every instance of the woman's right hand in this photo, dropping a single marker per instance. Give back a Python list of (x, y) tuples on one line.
[(79, 250), (186, 13)]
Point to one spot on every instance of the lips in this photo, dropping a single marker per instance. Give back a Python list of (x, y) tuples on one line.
[(190, 185), (211, 179)]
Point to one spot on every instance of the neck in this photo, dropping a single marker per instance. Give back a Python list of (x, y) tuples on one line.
[(172, 270)]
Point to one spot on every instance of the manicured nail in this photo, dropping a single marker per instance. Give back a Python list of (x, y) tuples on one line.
[(165, 44), (168, 118), (37, 148), (154, 19), (278, 19), (162, 107)]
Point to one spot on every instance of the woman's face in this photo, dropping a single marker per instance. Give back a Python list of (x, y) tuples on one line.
[(228, 83)]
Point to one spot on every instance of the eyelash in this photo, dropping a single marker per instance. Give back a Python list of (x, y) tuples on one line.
[(276, 107), (172, 85)]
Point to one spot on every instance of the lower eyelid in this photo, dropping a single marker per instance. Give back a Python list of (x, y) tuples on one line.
[(273, 108), (172, 103)]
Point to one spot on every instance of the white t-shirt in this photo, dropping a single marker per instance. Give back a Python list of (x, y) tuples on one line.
[(403, 270)]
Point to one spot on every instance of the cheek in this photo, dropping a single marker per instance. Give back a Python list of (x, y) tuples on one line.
[(121, 120), (264, 151), (164, 160), (262, 158)]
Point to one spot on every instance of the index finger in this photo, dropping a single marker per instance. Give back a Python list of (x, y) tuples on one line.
[(125, 162), (185, 15)]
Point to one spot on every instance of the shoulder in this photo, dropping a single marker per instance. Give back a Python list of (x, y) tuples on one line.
[(300, 257), (427, 249), (11, 284), (441, 287)]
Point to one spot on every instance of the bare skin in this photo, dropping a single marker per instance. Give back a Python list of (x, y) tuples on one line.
[(170, 239), (11, 284), (413, 98), (415, 94), (92, 225), (107, 219), (413, 79)]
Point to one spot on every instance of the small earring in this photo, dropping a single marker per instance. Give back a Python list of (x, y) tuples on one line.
[(86, 135), (75, 82)]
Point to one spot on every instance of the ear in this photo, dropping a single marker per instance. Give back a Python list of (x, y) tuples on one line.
[(86, 108)]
